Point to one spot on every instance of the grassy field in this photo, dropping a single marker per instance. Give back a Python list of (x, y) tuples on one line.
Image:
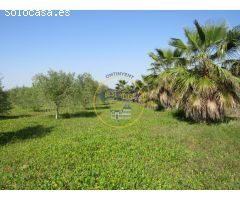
[(160, 151)]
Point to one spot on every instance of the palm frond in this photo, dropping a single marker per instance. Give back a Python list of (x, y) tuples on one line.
[(200, 31), (178, 43)]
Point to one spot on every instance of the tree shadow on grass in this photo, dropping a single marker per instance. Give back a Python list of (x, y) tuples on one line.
[(24, 134), (99, 107), (5, 117), (83, 114), (180, 115), (160, 108)]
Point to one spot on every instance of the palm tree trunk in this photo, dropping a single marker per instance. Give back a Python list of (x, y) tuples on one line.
[(205, 68)]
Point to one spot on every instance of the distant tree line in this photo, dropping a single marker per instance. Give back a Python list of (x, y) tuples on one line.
[(52, 91), (5, 104)]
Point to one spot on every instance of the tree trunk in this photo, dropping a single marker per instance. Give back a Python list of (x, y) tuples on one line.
[(56, 116)]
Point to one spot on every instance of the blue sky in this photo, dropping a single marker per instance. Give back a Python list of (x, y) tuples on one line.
[(98, 42)]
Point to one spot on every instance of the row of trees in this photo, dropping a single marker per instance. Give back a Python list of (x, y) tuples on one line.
[(5, 105), (52, 91), (200, 76), (27, 98)]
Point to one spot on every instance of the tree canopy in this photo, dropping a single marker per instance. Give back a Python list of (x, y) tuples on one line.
[(199, 75), (5, 105)]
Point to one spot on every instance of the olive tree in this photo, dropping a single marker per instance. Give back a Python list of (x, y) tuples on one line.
[(56, 87), (85, 88), (4, 101)]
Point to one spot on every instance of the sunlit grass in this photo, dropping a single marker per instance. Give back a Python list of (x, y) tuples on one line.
[(158, 152)]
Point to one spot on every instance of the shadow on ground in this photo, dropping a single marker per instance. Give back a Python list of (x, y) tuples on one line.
[(24, 134), (79, 114), (99, 107), (13, 117), (179, 115)]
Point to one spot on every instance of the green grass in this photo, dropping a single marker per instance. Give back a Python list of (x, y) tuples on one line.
[(158, 152)]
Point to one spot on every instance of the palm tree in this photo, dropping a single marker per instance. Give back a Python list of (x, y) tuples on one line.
[(120, 86), (146, 91), (205, 84), (165, 59), (233, 65), (137, 90)]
